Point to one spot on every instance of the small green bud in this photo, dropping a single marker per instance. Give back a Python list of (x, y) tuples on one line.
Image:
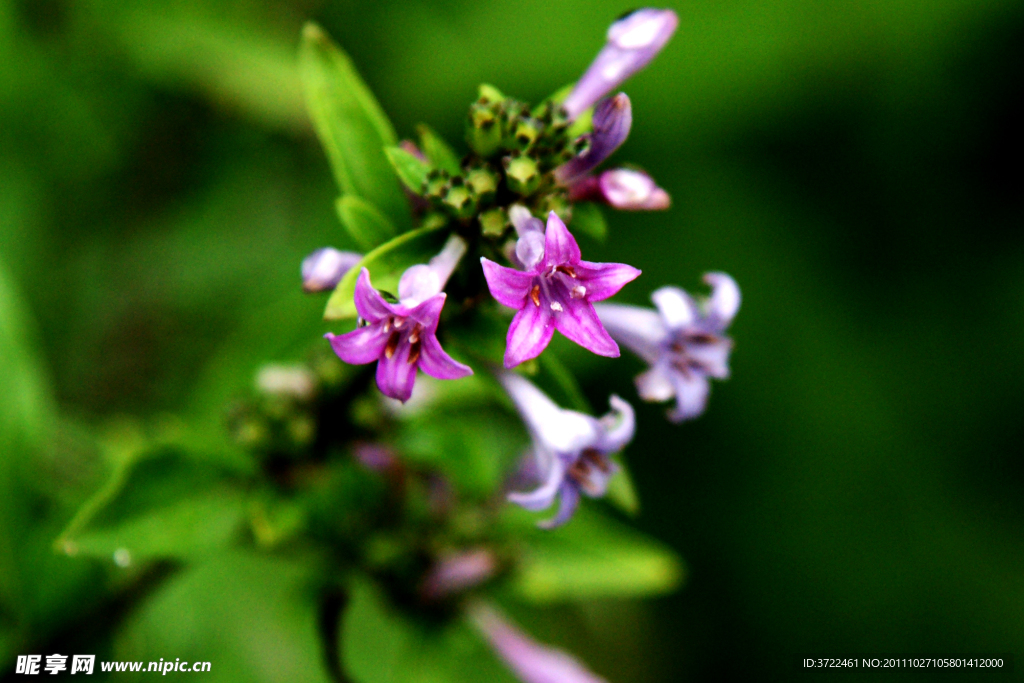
[(488, 93), (483, 132), (434, 220), (522, 174), (483, 183), (526, 132), (494, 222), (436, 184), (557, 203), (459, 199)]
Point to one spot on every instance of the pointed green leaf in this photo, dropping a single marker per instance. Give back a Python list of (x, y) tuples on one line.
[(588, 219), (351, 125), (386, 264), (367, 226), (438, 151), (412, 170), (622, 493), (380, 644), (595, 557)]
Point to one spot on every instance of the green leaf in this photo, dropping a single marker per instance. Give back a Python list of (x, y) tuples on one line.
[(157, 503), (588, 219), (367, 226), (252, 617), (379, 644), (554, 375), (595, 557), (438, 151), (411, 169), (351, 125), (622, 493), (386, 264)]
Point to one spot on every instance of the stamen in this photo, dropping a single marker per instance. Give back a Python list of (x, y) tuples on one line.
[(535, 295), (597, 459), (555, 306), (568, 270), (578, 292), (389, 350), (414, 352), (399, 322), (387, 325), (415, 336)]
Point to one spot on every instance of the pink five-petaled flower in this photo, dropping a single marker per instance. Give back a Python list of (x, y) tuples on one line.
[(400, 337), (555, 291)]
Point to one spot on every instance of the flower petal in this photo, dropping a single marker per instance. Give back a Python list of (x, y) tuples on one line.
[(437, 363), (324, 268), (713, 357), (612, 120), (428, 312), (560, 246), (570, 500), (360, 346), (655, 384), (580, 323), (640, 329), (369, 303), (619, 426), (604, 280), (559, 431), (725, 298), (396, 375), (529, 334), (676, 307), (542, 497), (691, 395), (508, 285)]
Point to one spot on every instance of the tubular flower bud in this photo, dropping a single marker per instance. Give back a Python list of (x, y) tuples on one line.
[(570, 449), (556, 291), (682, 341), (633, 41), (323, 269), (613, 119)]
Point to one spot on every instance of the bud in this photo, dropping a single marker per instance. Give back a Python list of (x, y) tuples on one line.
[(521, 174), (323, 269), (526, 132), (459, 199), (483, 134), (483, 183), (613, 118), (435, 184), (631, 190), (633, 41), (493, 222)]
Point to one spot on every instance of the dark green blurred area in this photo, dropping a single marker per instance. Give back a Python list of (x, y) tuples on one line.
[(853, 489)]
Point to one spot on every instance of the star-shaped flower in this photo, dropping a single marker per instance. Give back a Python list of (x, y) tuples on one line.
[(555, 291), (400, 337), (570, 449), (683, 342)]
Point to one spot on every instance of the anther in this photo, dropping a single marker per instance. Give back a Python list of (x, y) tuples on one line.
[(555, 306), (535, 295), (578, 292), (389, 350), (414, 352)]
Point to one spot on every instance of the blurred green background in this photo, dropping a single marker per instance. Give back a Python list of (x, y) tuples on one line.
[(856, 167)]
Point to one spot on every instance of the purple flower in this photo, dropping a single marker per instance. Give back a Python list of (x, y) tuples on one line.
[(682, 341), (554, 292), (633, 41), (622, 188), (570, 449), (403, 336), (531, 661), (612, 120), (324, 268), (458, 572)]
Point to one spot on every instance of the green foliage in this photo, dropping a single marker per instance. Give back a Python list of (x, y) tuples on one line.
[(410, 169), (352, 127), (441, 155), (367, 226), (588, 219), (380, 644), (386, 264), (595, 557)]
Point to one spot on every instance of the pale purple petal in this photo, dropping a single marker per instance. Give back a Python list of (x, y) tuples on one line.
[(324, 268), (691, 395), (530, 247), (509, 286), (569, 497), (619, 426), (631, 190), (529, 334), (676, 307), (369, 303), (633, 41), (639, 329), (560, 246), (561, 431), (459, 572), (531, 661), (713, 356), (655, 384), (725, 298), (396, 375), (613, 118), (360, 346), (418, 284), (428, 312), (580, 323), (437, 363), (543, 496), (604, 280)]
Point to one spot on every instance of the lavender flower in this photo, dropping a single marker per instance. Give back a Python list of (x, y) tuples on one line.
[(622, 188), (683, 342), (633, 42), (571, 449), (458, 572), (531, 661), (403, 336), (323, 269), (612, 120), (555, 291)]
